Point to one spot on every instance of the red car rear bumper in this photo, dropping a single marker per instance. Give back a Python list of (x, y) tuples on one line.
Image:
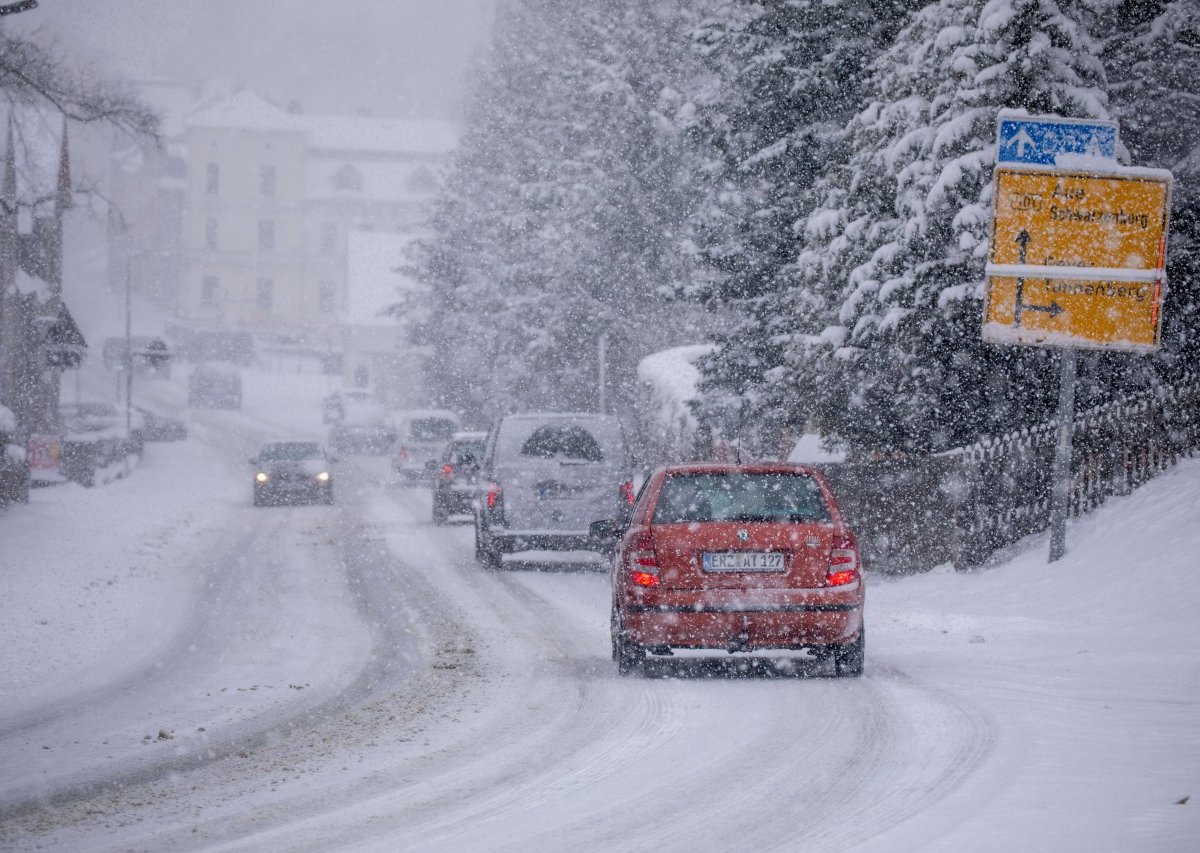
[(749, 619)]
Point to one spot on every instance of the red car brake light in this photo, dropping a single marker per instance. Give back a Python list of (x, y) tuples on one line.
[(843, 562), (626, 492), (643, 560)]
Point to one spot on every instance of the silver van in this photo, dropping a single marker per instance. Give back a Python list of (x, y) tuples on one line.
[(545, 478), (420, 436)]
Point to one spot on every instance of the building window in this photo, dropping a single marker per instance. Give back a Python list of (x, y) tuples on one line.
[(266, 234), (210, 234), (212, 179), (348, 178), (326, 297), (266, 181), (328, 238), (210, 291), (266, 295), (422, 181)]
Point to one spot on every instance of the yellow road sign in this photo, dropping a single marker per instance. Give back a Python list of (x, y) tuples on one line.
[(1077, 259)]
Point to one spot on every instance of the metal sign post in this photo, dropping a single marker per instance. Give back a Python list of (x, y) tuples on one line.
[(1061, 474)]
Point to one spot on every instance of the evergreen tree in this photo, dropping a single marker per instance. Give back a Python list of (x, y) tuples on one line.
[(791, 75), (1153, 58), (898, 246), (563, 213)]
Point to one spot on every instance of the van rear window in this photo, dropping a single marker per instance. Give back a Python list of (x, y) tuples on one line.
[(431, 429), (740, 497), (562, 441)]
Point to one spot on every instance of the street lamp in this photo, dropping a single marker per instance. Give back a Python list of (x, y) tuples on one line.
[(129, 344)]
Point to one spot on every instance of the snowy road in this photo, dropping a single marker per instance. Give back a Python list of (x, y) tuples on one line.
[(348, 676), (320, 678)]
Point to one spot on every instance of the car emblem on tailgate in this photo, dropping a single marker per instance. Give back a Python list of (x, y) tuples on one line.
[(743, 535)]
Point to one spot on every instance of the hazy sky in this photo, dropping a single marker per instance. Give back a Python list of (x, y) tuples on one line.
[(392, 57)]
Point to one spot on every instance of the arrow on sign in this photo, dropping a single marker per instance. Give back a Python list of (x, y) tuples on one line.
[(1022, 140), (1053, 309)]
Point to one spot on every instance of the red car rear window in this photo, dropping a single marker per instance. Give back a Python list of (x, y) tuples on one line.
[(768, 497)]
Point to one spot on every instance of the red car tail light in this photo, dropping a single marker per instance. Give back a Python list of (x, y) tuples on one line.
[(843, 562), (626, 492), (493, 495), (643, 560)]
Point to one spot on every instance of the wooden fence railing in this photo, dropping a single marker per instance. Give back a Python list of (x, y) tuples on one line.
[(961, 506)]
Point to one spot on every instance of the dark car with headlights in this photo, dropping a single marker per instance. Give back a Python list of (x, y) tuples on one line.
[(456, 480), (292, 472)]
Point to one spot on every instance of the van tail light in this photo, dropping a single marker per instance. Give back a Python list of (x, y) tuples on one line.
[(643, 560), (626, 491), (843, 562), (494, 493), (447, 473)]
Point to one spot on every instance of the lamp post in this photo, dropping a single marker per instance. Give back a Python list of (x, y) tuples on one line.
[(602, 379), (129, 344)]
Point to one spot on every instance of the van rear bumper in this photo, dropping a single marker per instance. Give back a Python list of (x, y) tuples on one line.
[(511, 541)]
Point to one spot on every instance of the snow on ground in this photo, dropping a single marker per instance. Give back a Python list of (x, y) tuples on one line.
[(1021, 705)]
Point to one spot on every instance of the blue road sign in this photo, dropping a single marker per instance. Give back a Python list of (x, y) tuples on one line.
[(1040, 140)]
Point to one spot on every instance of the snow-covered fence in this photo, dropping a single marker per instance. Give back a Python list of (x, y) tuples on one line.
[(961, 506), (1116, 447)]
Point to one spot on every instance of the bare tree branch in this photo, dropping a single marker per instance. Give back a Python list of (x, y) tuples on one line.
[(19, 6), (34, 74)]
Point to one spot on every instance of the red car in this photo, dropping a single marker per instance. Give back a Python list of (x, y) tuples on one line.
[(737, 558)]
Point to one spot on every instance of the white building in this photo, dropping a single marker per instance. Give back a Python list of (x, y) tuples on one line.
[(271, 199), (376, 346)]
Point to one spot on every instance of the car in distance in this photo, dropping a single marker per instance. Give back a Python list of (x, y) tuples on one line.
[(456, 480), (737, 558), (361, 426), (544, 478), (162, 427), (215, 386), (335, 406), (292, 472), (421, 436)]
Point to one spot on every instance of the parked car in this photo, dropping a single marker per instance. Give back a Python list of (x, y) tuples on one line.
[(14, 462), (95, 436), (545, 477), (421, 436), (736, 558), (456, 481), (292, 472), (162, 427), (215, 386), (361, 425)]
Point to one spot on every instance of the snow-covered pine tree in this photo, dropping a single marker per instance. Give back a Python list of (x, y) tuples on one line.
[(486, 257), (899, 242), (791, 74), (1152, 52), (562, 215)]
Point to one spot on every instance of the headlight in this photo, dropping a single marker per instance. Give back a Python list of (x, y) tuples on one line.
[(323, 476), (261, 477)]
